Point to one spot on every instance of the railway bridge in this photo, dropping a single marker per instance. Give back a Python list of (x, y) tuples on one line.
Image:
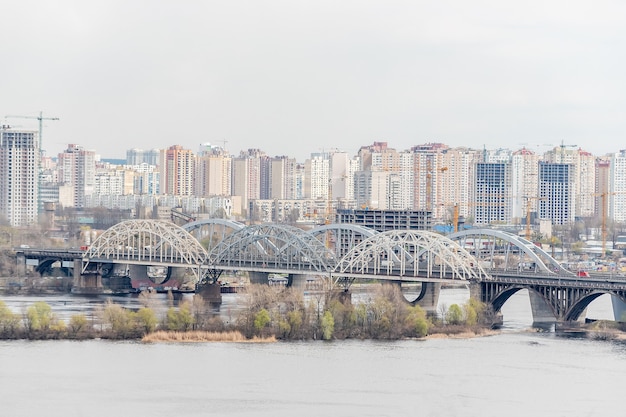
[(494, 264)]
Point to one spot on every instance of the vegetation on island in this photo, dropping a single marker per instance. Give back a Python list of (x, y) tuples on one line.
[(268, 313)]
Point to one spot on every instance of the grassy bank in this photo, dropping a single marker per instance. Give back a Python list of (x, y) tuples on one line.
[(203, 336)]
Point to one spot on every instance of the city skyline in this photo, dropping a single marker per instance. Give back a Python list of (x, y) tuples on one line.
[(277, 74)]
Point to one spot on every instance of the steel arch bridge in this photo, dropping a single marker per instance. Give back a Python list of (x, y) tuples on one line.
[(342, 237), (272, 248), (210, 232), (147, 242), (410, 255), (503, 251)]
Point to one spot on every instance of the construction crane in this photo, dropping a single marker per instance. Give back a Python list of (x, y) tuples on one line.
[(563, 146), (604, 215), (41, 119), (456, 210), (429, 185), (528, 200)]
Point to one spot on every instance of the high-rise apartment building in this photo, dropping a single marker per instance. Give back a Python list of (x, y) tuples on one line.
[(19, 176), (375, 189), (140, 156), (603, 172), (492, 195), (616, 199), (246, 176), (317, 176), (281, 178), (524, 183), (443, 178), (77, 170), (556, 192), (146, 179), (176, 171), (584, 183), (342, 170), (397, 180), (213, 177)]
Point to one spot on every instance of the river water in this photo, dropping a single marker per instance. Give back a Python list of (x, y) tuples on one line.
[(519, 372)]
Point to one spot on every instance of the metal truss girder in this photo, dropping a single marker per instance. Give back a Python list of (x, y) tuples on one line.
[(212, 231), (411, 253), (273, 246), (148, 241), (342, 237), (537, 254)]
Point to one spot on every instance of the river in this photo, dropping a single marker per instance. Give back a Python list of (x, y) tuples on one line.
[(519, 372)]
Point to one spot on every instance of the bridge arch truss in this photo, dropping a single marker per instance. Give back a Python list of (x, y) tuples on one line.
[(503, 251), (342, 237), (272, 247), (210, 232), (402, 254), (148, 242)]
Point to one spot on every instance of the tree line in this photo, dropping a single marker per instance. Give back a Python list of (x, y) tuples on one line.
[(268, 311)]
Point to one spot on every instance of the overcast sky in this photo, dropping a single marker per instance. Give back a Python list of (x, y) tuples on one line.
[(295, 77)]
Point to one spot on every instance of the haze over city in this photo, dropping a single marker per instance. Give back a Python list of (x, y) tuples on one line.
[(293, 78)]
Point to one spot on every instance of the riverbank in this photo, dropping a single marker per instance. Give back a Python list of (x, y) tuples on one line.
[(35, 285), (202, 336)]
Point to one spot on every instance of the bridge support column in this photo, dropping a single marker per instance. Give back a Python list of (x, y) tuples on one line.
[(210, 292), (297, 281), (619, 308), (542, 312), (429, 298), (78, 270), (21, 264), (258, 277)]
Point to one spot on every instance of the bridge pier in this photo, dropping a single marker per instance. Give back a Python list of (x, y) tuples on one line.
[(258, 277), (429, 296), (543, 315), (21, 264), (297, 281), (78, 271), (210, 293), (619, 308), (89, 283)]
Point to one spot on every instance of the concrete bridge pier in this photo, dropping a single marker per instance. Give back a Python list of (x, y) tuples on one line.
[(297, 281), (88, 283), (429, 296), (210, 293), (258, 277), (543, 316), (78, 270), (619, 308), (21, 264)]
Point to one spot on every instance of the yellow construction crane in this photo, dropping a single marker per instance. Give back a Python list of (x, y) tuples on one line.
[(604, 215), (455, 211)]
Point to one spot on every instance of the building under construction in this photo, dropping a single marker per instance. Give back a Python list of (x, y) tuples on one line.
[(384, 220)]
